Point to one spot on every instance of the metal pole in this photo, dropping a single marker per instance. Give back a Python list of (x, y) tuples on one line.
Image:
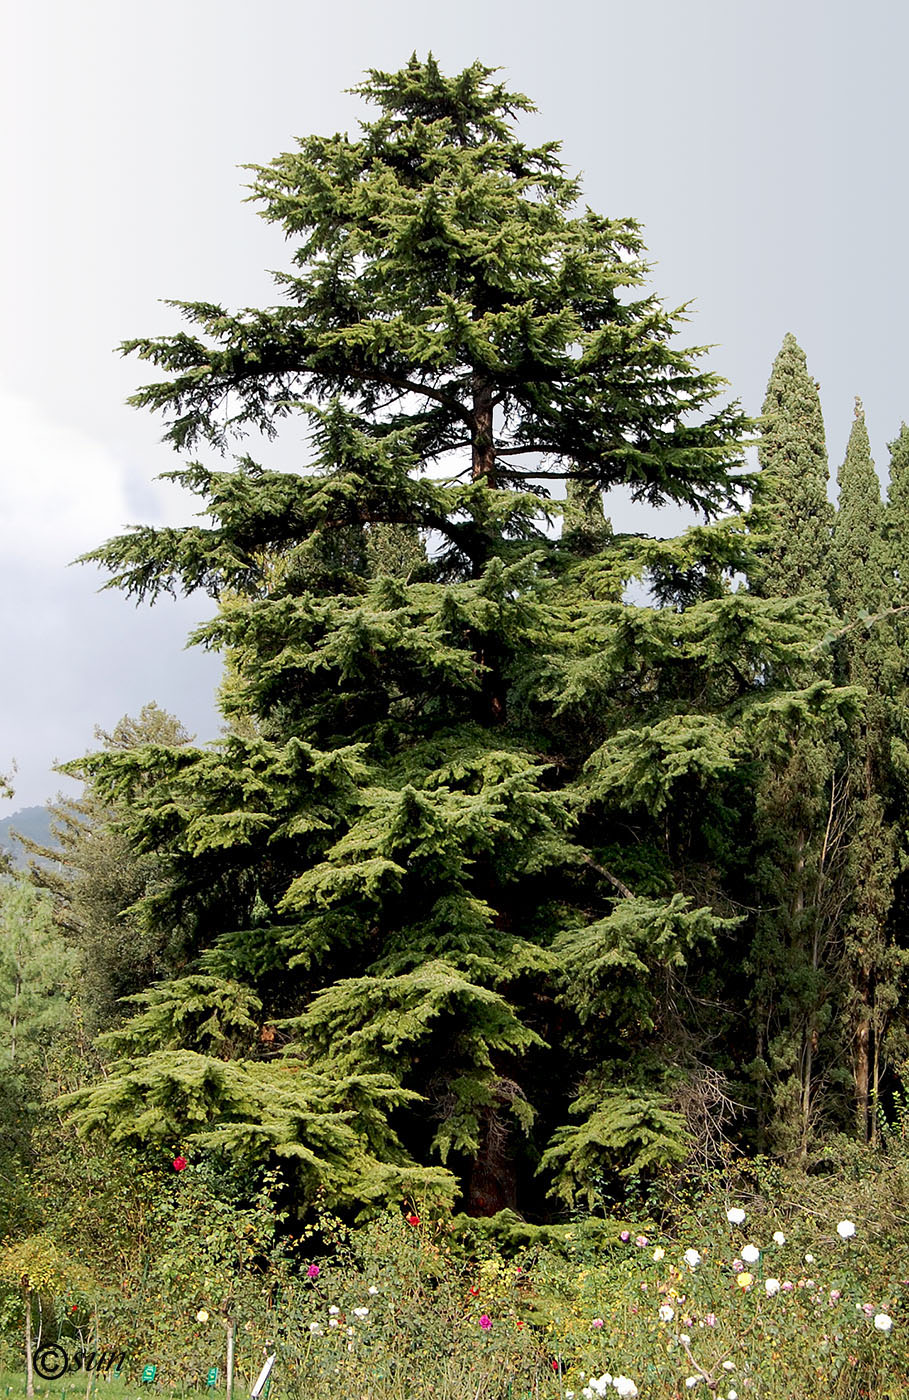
[(229, 1323)]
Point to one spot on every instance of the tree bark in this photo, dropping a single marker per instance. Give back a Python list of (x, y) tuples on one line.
[(229, 1368), (29, 1365), (862, 1073), (875, 1086), (484, 451), (14, 1019), (493, 1182)]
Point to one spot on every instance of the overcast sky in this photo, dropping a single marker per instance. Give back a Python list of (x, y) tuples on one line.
[(760, 143)]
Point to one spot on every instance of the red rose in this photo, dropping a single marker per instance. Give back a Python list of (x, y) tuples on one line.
[(180, 1163), (413, 1220)]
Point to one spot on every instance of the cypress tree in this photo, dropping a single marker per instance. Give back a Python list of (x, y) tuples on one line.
[(799, 831), (891, 1026), (896, 519), (585, 527), (792, 518), (858, 554), (472, 816), (863, 587)]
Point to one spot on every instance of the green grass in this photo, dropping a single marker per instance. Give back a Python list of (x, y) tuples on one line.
[(75, 1386)]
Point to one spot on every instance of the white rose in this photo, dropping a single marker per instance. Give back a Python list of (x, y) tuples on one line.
[(883, 1322), (771, 1286), (751, 1254), (692, 1258), (625, 1386), (666, 1313), (779, 1237), (735, 1216), (845, 1229)]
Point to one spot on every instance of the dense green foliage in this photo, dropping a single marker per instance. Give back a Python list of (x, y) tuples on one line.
[(467, 842), (470, 873)]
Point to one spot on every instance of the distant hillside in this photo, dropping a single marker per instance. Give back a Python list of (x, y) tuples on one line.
[(33, 822)]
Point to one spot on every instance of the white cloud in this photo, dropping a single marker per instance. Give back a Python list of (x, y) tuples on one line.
[(60, 492), (73, 658)]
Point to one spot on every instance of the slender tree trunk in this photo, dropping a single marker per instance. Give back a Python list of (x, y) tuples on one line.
[(805, 1106), (229, 1368), (95, 1355), (807, 1056), (875, 1086), (863, 1080), (14, 1018), (29, 1366)]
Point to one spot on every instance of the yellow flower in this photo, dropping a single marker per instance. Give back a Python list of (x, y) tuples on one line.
[(744, 1280)]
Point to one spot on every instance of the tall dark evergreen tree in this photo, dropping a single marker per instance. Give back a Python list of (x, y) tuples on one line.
[(452, 878), (896, 519), (891, 1022), (792, 518), (800, 833), (858, 557), (94, 877), (863, 588)]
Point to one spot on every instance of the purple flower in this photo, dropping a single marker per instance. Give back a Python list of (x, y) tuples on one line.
[(625, 1236), (738, 1265), (597, 1322), (641, 1241), (485, 1322), (313, 1271), (710, 1319)]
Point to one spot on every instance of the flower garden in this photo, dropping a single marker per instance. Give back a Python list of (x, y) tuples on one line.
[(788, 1295)]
